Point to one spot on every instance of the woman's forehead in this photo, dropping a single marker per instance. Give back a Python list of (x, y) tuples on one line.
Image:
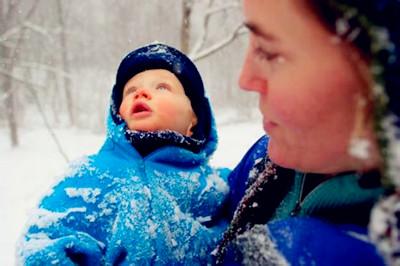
[(284, 20)]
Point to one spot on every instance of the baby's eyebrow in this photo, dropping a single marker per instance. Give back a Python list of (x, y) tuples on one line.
[(129, 90)]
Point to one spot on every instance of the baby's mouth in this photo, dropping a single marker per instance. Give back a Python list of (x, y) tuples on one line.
[(140, 108)]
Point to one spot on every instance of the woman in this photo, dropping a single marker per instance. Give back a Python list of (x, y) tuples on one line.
[(327, 77)]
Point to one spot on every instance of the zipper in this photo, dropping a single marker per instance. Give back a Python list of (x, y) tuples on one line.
[(145, 181), (299, 201)]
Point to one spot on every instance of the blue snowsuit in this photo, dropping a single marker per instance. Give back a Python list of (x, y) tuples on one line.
[(284, 220), (119, 208)]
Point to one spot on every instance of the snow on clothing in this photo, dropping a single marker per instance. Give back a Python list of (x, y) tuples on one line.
[(287, 217), (118, 207)]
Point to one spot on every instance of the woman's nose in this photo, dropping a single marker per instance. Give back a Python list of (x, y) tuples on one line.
[(251, 77), (142, 93)]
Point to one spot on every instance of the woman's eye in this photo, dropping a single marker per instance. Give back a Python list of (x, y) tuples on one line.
[(267, 56)]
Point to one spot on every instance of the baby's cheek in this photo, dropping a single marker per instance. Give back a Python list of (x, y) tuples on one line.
[(123, 110), (170, 109)]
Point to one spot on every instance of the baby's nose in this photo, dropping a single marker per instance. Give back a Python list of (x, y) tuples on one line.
[(142, 93)]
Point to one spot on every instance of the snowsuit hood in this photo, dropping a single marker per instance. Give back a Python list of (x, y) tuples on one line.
[(157, 56), (161, 56)]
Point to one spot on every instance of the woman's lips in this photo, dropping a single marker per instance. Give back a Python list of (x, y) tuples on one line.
[(269, 125)]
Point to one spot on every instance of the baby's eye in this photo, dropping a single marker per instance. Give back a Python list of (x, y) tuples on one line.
[(163, 87)]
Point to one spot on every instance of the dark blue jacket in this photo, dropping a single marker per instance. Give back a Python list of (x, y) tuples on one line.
[(292, 218), (119, 208)]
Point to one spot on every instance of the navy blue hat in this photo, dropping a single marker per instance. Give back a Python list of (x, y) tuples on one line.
[(161, 56)]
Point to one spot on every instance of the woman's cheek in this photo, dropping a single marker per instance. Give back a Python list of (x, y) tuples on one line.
[(285, 111)]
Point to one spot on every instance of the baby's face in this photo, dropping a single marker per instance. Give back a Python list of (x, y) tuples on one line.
[(155, 100)]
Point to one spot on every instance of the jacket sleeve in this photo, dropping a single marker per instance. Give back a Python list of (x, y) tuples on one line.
[(238, 178), (304, 241), (70, 224), (181, 238)]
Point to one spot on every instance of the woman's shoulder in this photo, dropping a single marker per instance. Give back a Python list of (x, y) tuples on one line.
[(256, 153), (239, 177), (306, 241), (318, 241)]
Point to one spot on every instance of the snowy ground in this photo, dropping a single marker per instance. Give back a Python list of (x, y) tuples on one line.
[(29, 170)]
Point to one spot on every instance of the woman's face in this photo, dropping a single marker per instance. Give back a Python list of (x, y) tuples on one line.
[(309, 84)]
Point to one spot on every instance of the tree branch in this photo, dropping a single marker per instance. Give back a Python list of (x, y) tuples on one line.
[(239, 30), (6, 35), (41, 111), (36, 28), (203, 36), (217, 9), (25, 25), (4, 96), (38, 66)]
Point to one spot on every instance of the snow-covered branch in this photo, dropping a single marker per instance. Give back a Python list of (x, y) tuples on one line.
[(5, 96), (25, 25), (37, 66), (221, 8), (239, 30), (38, 29), (203, 34), (204, 30), (19, 79), (9, 33)]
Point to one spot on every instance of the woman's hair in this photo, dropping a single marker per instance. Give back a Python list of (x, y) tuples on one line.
[(338, 19), (373, 27)]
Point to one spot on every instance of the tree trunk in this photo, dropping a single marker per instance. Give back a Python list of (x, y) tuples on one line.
[(7, 53), (10, 101), (185, 28), (65, 66), (11, 55)]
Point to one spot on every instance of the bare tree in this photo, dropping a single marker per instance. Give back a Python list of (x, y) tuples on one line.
[(185, 28), (65, 63), (10, 53)]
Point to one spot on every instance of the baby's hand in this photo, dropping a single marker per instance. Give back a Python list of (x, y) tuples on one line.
[(79, 249)]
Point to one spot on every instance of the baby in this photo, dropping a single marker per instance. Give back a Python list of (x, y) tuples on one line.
[(148, 196)]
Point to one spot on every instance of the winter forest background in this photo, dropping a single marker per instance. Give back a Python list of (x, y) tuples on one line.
[(58, 60)]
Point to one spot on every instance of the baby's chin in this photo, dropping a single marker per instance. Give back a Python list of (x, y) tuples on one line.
[(145, 128)]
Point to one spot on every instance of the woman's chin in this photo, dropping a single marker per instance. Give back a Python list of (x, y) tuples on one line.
[(277, 155), (285, 158)]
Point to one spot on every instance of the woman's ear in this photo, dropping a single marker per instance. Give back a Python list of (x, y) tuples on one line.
[(193, 123)]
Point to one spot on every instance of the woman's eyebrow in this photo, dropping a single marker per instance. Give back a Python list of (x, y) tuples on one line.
[(259, 32)]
